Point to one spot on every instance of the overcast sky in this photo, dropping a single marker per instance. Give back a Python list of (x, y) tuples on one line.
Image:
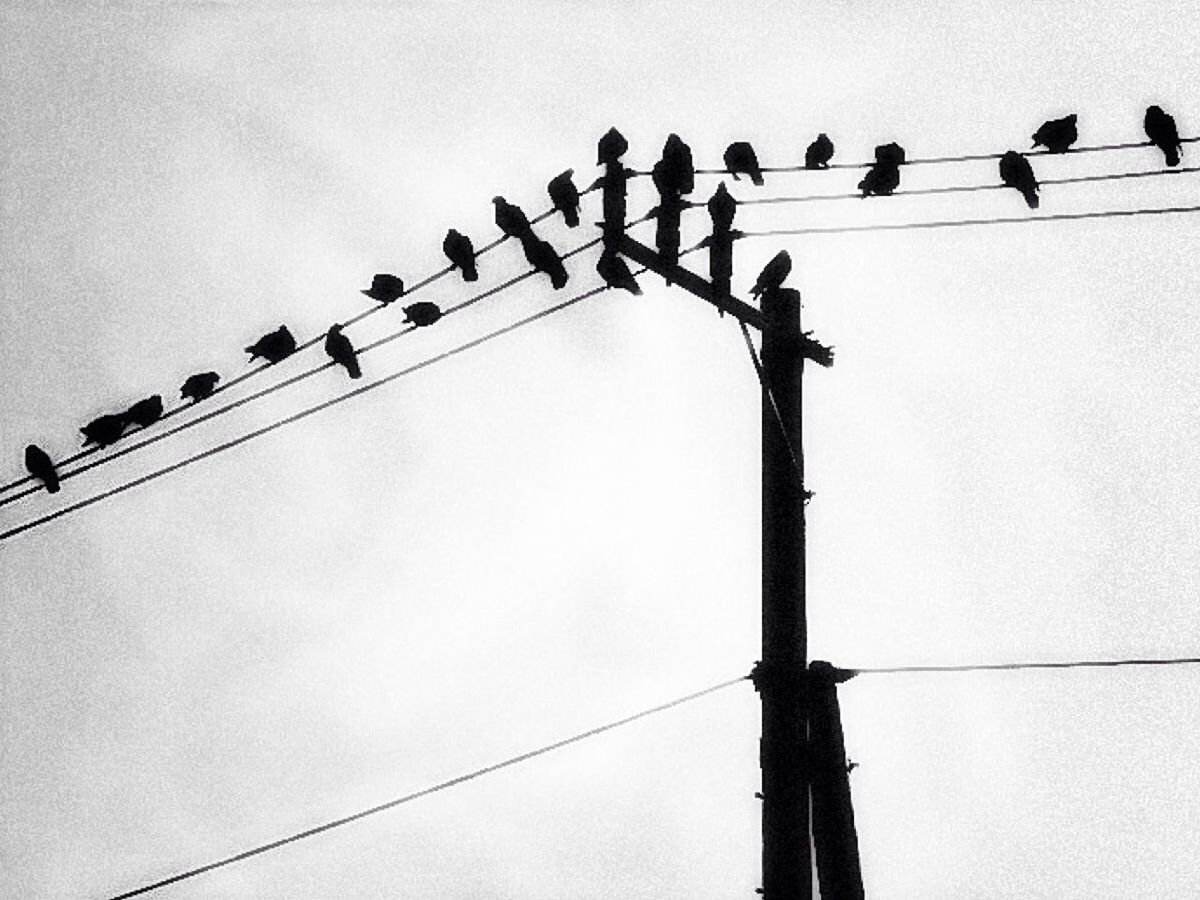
[(562, 526)]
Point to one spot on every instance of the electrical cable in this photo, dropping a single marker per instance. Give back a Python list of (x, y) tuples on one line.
[(762, 380), (441, 786), (1075, 664)]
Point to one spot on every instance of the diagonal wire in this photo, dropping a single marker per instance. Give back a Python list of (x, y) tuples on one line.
[(996, 667), (441, 786), (771, 397)]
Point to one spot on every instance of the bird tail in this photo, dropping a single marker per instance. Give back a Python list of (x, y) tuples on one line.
[(571, 217), (558, 277), (470, 272), (51, 479), (1031, 197), (353, 368), (1172, 156), (756, 177)]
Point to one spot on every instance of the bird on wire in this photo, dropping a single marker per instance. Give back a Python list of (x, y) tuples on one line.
[(273, 347), (565, 197), (615, 272), (511, 219), (341, 351), (772, 276), (386, 288), (722, 207), (740, 157), (199, 386), (1160, 128), (1016, 172), (422, 314), (543, 257), (461, 253), (145, 412), (819, 153), (41, 467), (884, 176), (1057, 135), (104, 430), (611, 146), (675, 171)]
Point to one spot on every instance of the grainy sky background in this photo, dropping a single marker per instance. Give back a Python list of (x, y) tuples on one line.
[(561, 527)]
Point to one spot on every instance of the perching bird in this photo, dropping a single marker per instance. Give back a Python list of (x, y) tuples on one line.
[(1163, 134), (610, 147), (385, 288), (773, 274), (1016, 172), (1057, 135), (883, 177), (341, 351), (616, 274), (740, 157), (819, 153), (423, 313), (273, 347), (145, 412), (103, 431), (675, 170), (543, 257), (721, 207), (41, 467), (510, 218), (890, 154), (565, 197), (461, 252), (199, 386)]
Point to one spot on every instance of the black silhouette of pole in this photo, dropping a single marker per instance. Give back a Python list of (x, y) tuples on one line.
[(609, 150)]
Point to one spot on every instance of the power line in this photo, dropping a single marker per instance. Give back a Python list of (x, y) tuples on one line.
[(807, 198), (762, 380), (956, 223), (214, 413), (441, 786), (992, 667), (279, 423)]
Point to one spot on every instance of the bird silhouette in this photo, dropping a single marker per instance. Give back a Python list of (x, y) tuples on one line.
[(145, 412), (565, 197), (199, 386), (543, 257), (1016, 172), (104, 430), (740, 157), (422, 314), (273, 347), (819, 153), (616, 274), (461, 252), (675, 170), (341, 351), (1160, 128), (385, 288), (883, 177), (41, 467), (510, 218), (610, 147), (1057, 135), (722, 207), (772, 276)]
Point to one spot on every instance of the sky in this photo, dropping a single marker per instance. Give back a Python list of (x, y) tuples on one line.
[(561, 527)]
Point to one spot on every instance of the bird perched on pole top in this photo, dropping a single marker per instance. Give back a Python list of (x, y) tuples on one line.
[(1160, 128), (199, 386), (384, 288), (461, 253), (422, 313), (611, 147), (510, 218), (740, 157), (819, 153), (1016, 172), (341, 351), (722, 207), (774, 273), (104, 430), (675, 171), (41, 467), (543, 257), (1057, 135), (615, 272), (145, 412), (565, 197), (273, 347)]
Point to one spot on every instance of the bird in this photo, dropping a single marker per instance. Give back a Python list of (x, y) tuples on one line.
[(422, 314), (675, 170), (565, 197), (883, 177), (819, 153), (1016, 172), (273, 347), (461, 252), (543, 257), (341, 351), (385, 288), (199, 386), (104, 430), (1057, 135), (145, 412), (722, 207), (740, 157), (510, 218), (41, 467), (616, 274), (1160, 128), (773, 274), (610, 147)]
